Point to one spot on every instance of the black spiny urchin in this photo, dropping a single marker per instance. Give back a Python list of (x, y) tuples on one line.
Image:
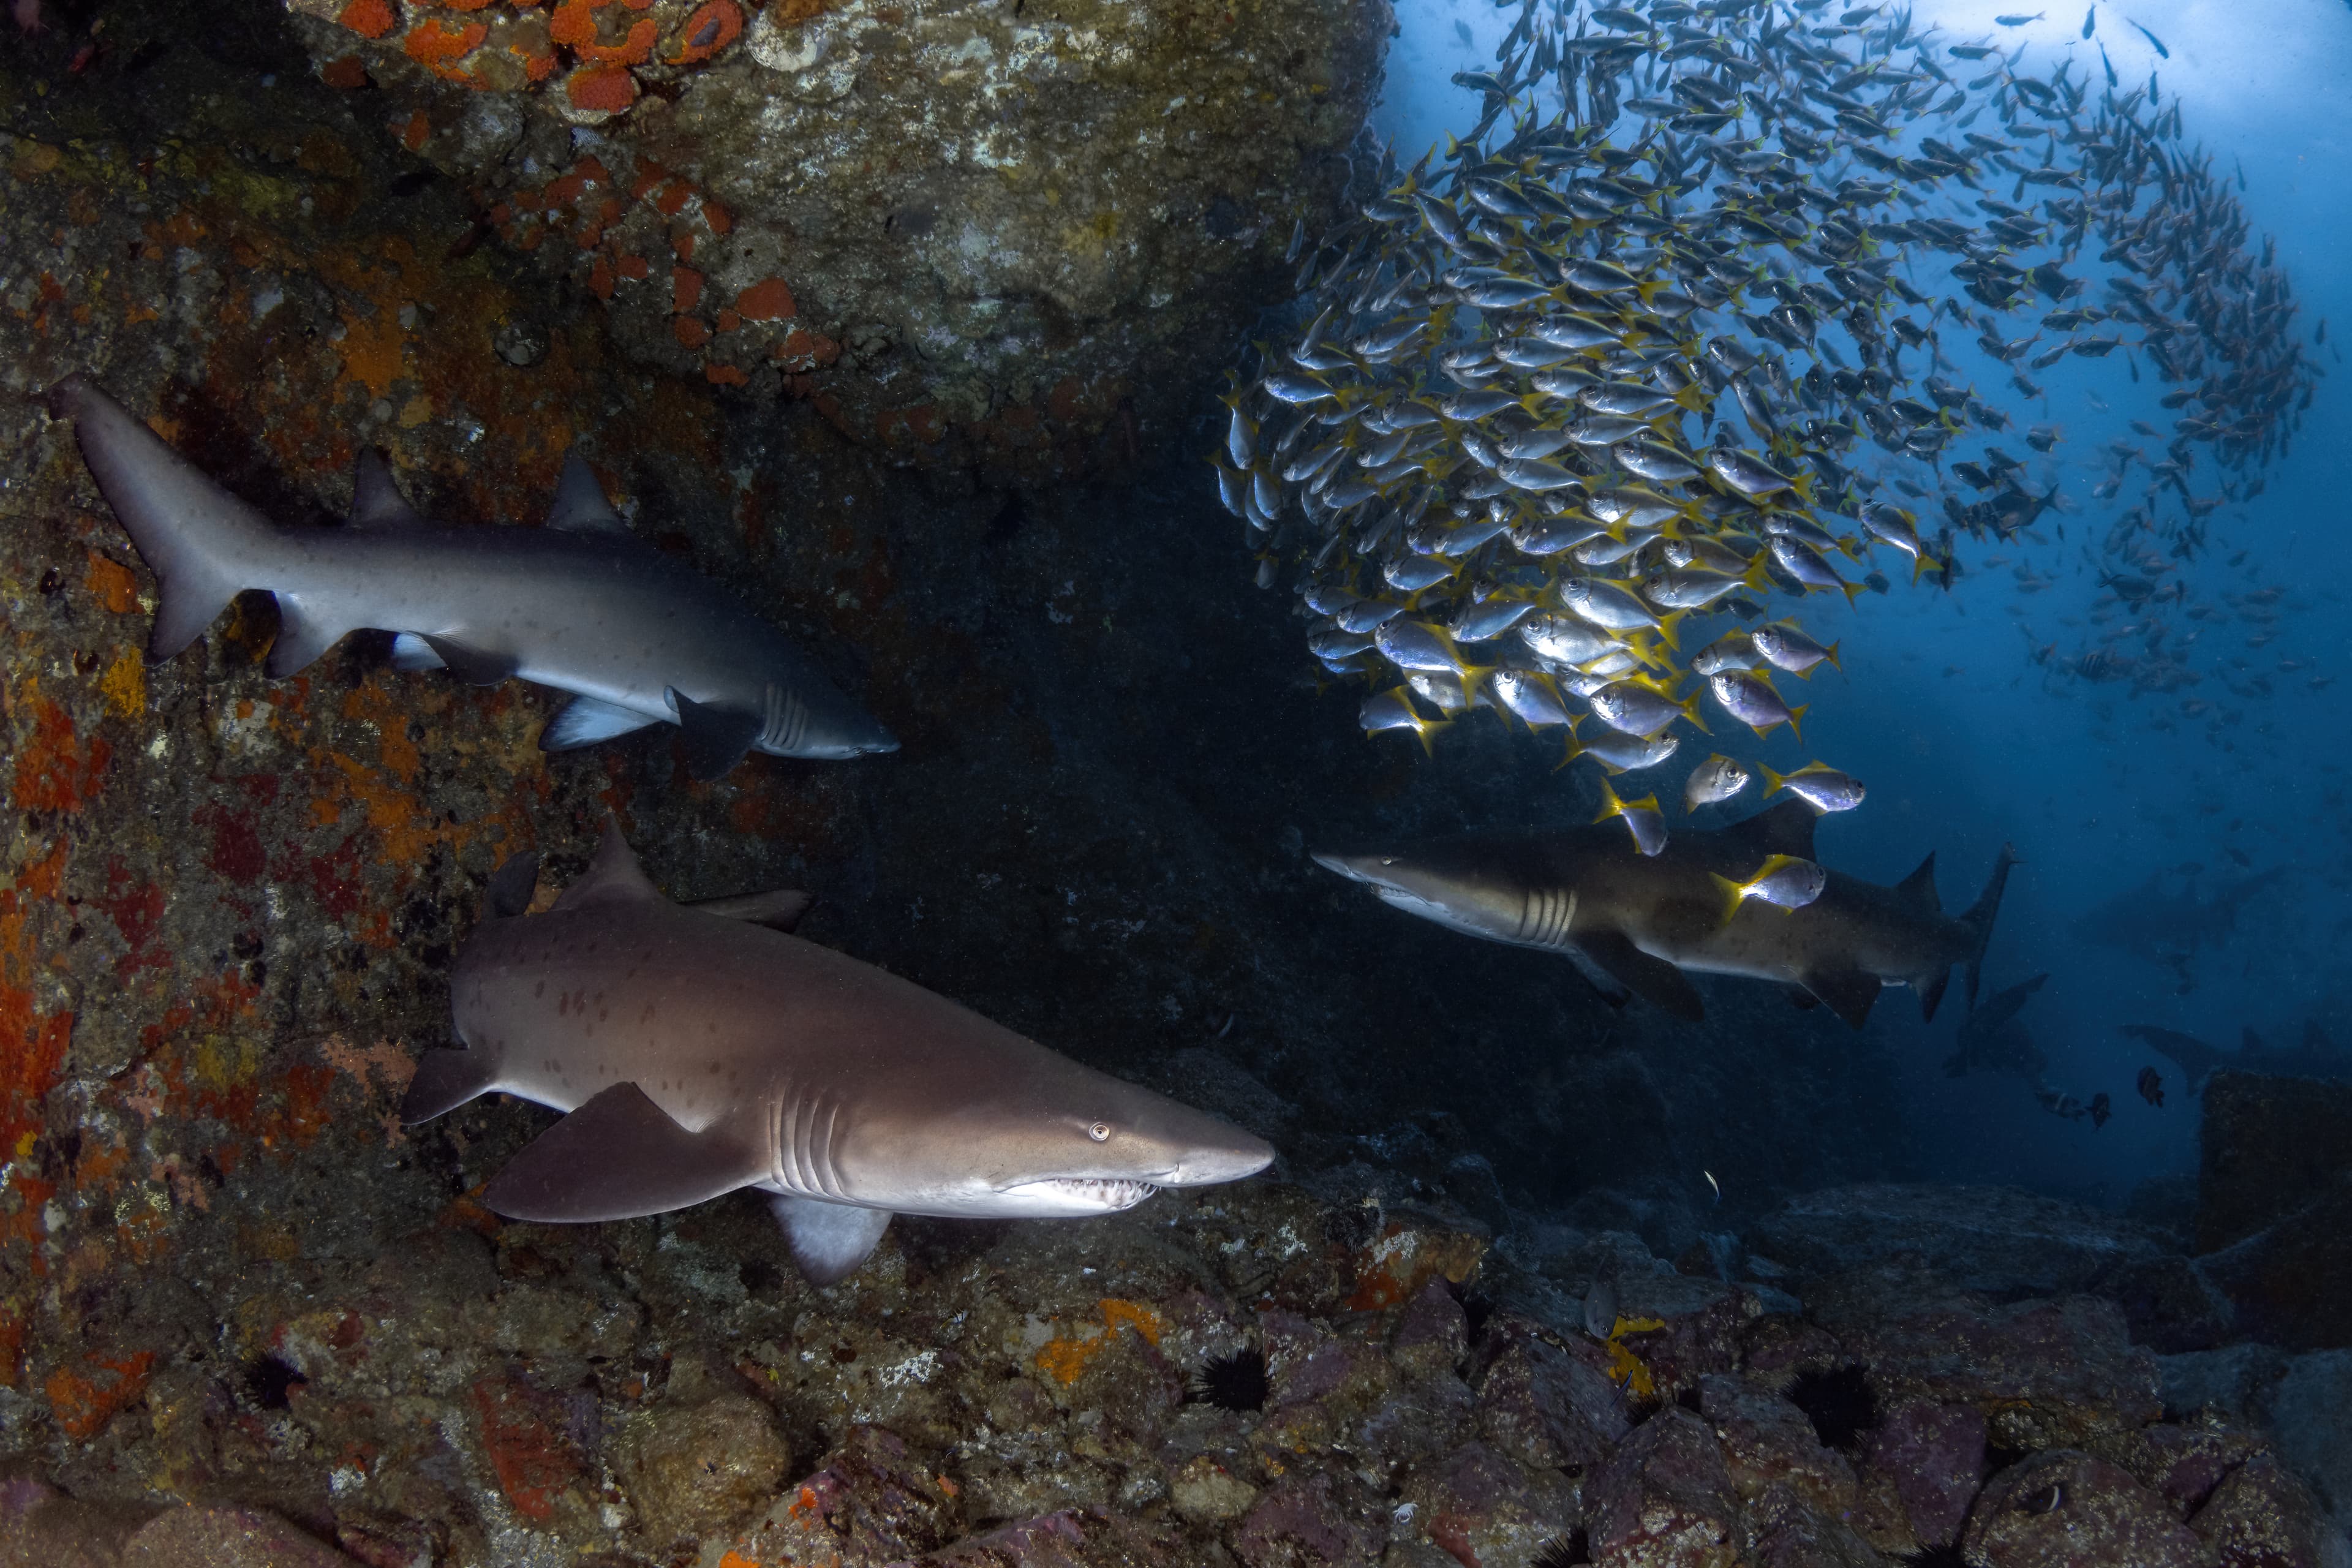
[(1235, 1382), (1569, 1551)]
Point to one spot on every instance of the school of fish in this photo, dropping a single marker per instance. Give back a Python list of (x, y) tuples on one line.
[(1588, 407)]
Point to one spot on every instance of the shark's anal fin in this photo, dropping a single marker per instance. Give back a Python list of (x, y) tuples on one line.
[(828, 1240), (475, 667), (1848, 992), (716, 738), (444, 1081), (618, 1157), (779, 910), (585, 720), (1653, 980)]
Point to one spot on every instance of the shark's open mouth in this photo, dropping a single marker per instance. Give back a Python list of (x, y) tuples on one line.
[(1086, 1192)]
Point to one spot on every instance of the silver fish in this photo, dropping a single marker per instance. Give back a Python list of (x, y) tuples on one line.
[(1713, 781)]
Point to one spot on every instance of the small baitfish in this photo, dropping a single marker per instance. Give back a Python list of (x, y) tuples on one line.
[(582, 605)]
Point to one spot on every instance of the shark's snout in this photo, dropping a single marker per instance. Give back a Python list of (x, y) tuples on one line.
[(1242, 1155), (1355, 868)]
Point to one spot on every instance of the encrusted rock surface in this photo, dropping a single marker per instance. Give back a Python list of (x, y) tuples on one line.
[(2274, 1205), (962, 229)]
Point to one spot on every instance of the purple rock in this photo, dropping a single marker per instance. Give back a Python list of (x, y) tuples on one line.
[(1306, 1521), (1664, 1498), (2260, 1516), (1934, 1456), (1546, 1402), (2064, 1509)]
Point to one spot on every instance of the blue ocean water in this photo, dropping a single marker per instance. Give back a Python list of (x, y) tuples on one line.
[(1967, 741)]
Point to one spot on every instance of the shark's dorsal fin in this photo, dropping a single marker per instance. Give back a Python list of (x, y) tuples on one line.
[(613, 873), (828, 1240), (618, 1157), (716, 738), (1918, 888), (376, 500), (580, 504), (1783, 829)]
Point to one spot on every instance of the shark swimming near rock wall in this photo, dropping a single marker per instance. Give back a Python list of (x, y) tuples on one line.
[(581, 605), (697, 1051)]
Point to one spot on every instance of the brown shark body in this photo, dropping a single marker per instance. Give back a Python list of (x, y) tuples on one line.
[(698, 1052)]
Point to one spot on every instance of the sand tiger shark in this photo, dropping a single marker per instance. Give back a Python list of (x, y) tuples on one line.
[(582, 605), (1634, 923), (699, 1049)]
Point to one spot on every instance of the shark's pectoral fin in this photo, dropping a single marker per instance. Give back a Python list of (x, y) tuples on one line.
[(828, 1240), (445, 1080), (716, 738), (1802, 1000), (618, 1157), (474, 665), (584, 722), (1848, 992), (779, 910), (1599, 979), (1653, 980)]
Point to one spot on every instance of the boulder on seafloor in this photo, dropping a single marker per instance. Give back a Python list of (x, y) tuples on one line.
[(1997, 1241), (2274, 1205), (953, 218)]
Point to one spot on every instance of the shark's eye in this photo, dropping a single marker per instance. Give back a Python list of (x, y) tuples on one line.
[(1099, 1131)]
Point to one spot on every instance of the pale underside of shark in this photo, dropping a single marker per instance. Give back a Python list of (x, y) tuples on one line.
[(1634, 923), (582, 605), (697, 1051)]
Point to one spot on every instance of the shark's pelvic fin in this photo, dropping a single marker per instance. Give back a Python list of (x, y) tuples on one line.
[(716, 738), (584, 722), (376, 500), (613, 873), (779, 910), (512, 885), (445, 1080), (1848, 992), (1651, 979), (618, 1157), (580, 504), (828, 1240), (302, 637), (473, 665), (411, 652)]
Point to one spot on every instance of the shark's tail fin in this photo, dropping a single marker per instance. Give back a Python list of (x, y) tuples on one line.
[(203, 544), (1979, 918)]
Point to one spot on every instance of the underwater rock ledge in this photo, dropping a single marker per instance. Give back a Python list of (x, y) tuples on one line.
[(1000, 226)]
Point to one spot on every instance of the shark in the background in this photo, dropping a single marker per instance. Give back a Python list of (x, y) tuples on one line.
[(1635, 922), (699, 1052), (582, 605)]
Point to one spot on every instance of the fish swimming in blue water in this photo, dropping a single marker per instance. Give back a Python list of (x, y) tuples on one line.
[(582, 605)]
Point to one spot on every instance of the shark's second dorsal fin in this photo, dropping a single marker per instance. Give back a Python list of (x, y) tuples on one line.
[(1783, 829), (613, 873), (580, 504), (376, 500), (1918, 888)]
